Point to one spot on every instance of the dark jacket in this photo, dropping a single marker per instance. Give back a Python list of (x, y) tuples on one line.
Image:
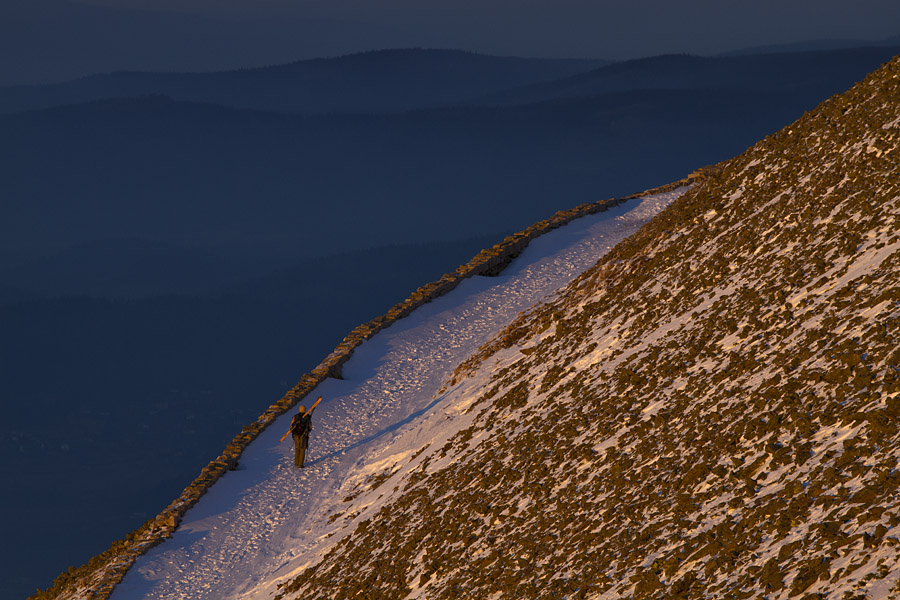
[(301, 425)]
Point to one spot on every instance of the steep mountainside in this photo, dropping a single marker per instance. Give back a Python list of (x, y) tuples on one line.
[(711, 411)]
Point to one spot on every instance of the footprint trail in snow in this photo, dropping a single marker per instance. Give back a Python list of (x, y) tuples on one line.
[(268, 520)]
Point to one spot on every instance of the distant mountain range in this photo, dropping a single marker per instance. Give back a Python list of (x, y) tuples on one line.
[(42, 41), (369, 82), (785, 72), (235, 181), (225, 180), (415, 79), (46, 41)]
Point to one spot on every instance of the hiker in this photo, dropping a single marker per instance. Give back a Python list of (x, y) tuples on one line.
[(301, 425)]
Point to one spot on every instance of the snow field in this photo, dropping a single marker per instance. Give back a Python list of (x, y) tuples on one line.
[(267, 521)]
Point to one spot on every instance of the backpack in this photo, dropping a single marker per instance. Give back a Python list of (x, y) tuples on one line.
[(301, 424)]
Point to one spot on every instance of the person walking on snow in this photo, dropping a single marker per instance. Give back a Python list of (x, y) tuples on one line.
[(301, 425)]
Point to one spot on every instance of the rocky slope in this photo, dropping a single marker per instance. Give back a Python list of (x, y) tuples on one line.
[(711, 411)]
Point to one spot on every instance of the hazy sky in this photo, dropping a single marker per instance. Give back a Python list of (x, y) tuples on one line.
[(53, 40), (597, 28)]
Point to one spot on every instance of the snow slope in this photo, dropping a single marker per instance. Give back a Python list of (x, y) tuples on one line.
[(711, 411), (267, 521)]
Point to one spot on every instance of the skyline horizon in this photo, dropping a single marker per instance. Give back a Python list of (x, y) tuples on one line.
[(817, 45), (50, 41)]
